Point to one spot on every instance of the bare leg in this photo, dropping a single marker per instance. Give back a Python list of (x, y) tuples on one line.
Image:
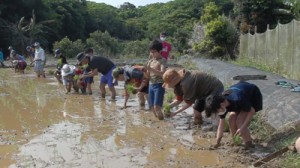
[(89, 87), (113, 92), (152, 108), (232, 123), (102, 90), (141, 98), (58, 77), (197, 117), (246, 134), (159, 113)]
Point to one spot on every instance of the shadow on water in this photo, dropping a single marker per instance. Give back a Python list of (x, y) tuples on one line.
[(40, 126)]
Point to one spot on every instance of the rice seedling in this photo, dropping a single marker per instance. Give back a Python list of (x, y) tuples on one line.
[(51, 72), (170, 96), (237, 140), (167, 110), (130, 88)]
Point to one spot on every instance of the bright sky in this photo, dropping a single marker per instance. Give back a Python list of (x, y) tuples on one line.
[(137, 3)]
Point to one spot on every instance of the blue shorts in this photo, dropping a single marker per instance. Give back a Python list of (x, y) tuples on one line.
[(89, 80), (108, 78), (156, 95)]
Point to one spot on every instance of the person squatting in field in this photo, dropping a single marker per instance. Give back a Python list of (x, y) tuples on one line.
[(241, 102)]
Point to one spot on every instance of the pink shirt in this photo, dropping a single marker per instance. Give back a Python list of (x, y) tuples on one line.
[(166, 49)]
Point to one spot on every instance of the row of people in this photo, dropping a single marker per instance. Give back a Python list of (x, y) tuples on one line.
[(241, 101), (204, 91)]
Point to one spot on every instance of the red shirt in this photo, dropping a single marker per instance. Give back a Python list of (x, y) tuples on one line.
[(166, 49)]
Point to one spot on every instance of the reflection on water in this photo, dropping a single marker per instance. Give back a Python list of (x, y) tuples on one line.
[(40, 126)]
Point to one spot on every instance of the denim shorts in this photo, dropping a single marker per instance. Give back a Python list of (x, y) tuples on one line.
[(156, 95), (108, 78)]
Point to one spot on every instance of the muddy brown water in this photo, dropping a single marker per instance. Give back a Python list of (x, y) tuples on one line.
[(40, 126)]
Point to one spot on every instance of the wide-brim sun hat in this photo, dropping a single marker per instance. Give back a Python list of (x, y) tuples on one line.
[(172, 77), (67, 70)]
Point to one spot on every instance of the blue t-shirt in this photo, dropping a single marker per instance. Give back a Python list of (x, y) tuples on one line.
[(240, 97)]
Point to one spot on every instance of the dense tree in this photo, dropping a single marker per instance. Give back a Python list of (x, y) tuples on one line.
[(220, 35), (103, 43), (78, 19)]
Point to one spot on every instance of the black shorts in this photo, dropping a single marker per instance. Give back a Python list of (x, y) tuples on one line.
[(199, 105), (145, 89), (257, 100)]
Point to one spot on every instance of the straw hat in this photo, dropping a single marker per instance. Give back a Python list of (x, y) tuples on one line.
[(172, 77)]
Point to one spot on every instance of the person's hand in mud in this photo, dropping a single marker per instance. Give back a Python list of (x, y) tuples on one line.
[(240, 131), (174, 114)]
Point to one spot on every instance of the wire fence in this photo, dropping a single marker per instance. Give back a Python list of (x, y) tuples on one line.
[(278, 48)]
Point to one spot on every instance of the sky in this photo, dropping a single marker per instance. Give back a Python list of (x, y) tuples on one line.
[(137, 3)]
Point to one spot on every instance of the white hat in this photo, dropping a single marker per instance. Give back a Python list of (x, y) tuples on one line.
[(67, 69)]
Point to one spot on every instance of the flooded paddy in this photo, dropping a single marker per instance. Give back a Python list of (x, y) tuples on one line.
[(41, 126)]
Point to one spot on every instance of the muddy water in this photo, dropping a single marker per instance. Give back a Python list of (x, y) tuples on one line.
[(40, 126)]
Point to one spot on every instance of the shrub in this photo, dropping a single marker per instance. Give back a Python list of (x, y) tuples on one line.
[(68, 48)]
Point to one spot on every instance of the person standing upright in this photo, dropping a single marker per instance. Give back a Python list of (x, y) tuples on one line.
[(166, 46), (39, 60)]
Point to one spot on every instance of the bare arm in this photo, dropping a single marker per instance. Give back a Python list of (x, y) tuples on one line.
[(126, 98), (175, 103), (90, 74), (220, 132), (157, 72), (181, 109)]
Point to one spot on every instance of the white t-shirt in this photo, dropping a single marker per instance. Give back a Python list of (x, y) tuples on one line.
[(39, 54)]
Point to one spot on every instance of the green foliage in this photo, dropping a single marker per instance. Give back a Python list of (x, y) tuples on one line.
[(130, 88), (291, 160), (68, 48), (237, 140), (277, 67), (210, 12), (167, 110), (220, 34), (135, 49), (51, 72), (170, 96), (103, 43), (188, 63)]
